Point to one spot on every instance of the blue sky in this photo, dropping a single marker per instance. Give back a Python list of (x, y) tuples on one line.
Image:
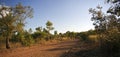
[(65, 15)]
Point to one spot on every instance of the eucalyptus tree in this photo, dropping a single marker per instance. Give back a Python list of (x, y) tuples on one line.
[(108, 26), (115, 10), (49, 26), (12, 19), (115, 7), (98, 18)]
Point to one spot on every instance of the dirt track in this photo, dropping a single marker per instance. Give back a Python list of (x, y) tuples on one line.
[(49, 50)]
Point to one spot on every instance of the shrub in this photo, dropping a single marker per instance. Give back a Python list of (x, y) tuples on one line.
[(111, 43), (84, 36), (27, 41)]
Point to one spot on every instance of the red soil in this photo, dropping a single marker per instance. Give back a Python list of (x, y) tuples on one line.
[(48, 50)]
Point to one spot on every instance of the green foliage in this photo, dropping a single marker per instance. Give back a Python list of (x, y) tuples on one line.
[(45, 30), (107, 27), (49, 26), (84, 36), (115, 8), (70, 35), (39, 35), (39, 29), (113, 42), (91, 32), (13, 19), (15, 38), (55, 36), (27, 39), (55, 32), (36, 34)]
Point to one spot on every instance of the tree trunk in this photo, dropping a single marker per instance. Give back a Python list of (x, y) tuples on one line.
[(7, 43)]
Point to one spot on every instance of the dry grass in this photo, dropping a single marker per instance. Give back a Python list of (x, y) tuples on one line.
[(15, 45), (2, 45), (93, 38), (85, 50)]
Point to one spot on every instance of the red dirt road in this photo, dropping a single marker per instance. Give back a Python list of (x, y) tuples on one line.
[(49, 50)]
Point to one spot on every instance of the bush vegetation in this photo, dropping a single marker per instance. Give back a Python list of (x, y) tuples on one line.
[(107, 27)]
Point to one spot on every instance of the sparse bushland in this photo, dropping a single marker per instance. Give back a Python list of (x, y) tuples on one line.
[(104, 41), (40, 36), (108, 29)]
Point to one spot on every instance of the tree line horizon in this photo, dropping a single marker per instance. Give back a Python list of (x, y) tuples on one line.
[(12, 22)]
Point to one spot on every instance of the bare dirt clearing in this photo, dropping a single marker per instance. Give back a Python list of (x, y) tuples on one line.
[(48, 50)]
